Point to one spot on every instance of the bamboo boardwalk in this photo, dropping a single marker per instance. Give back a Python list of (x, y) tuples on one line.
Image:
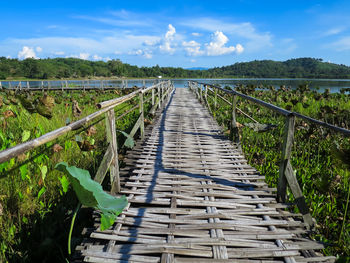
[(193, 198)]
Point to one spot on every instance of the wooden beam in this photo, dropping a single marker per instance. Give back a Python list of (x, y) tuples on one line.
[(112, 139), (104, 165), (285, 157)]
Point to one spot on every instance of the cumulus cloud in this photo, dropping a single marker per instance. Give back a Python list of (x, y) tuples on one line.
[(169, 37), (96, 57), (192, 48), (239, 48), (255, 40), (38, 49), (143, 53), (217, 46), (26, 52), (84, 56)]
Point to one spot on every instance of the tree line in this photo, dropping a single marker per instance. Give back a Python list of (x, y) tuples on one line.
[(59, 68)]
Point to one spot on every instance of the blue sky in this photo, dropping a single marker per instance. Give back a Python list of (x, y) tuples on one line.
[(176, 33)]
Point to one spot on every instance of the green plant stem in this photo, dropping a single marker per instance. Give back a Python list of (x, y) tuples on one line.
[(345, 213), (71, 227)]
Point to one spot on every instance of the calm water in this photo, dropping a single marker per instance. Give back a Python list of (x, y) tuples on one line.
[(322, 84)]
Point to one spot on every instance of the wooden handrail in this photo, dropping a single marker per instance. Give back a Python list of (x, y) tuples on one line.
[(282, 111)]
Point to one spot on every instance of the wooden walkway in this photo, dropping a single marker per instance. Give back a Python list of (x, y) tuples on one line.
[(193, 198)]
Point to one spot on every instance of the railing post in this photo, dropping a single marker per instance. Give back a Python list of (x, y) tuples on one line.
[(206, 92), (66, 84), (286, 173), (215, 97), (234, 129), (142, 116), (62, 85), (0, 85), (112, 139), (28, 85), (159, 97), (153, 97), (285, 157), (201, 93)]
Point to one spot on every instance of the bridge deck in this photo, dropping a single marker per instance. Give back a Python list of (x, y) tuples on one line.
[(193, 198)]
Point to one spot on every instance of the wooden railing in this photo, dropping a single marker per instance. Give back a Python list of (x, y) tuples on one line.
[(87, 84), (159, 92), (286, 173)]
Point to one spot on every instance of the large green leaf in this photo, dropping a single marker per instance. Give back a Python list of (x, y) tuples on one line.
[(90, 193)]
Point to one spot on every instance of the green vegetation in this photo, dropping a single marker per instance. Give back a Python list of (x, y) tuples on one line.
[(36, 202), (320, 156), (59, 68)]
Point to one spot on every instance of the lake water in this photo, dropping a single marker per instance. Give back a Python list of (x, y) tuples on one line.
[(321, 84)]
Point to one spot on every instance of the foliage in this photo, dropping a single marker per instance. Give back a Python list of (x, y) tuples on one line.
[(35, 199)]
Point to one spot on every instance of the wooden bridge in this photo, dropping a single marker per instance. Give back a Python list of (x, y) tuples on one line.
[(193, 198)]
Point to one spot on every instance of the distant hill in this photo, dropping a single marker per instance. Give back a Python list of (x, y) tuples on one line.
[(59, 68), (293, 68), (197, 68)]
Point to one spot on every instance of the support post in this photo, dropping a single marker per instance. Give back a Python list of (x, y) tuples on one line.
[(206, 92), (152, 97), (144, 83), (287, 174), (159, 97), (20, 86), (201, 93), (66, 84), (285, 157), (0, 85), (62, 86), (215, 97), (28, 85), (234, 129), (112, 139), (142, 124)]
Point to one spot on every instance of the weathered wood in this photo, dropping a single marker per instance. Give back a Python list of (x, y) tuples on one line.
[(142, 116), (215, 98), (112, 139), (193, 197), (153, 101), (285, 157), (234, 129), (104, 165)]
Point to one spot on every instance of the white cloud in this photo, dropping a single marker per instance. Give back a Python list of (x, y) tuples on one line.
[(193, 60), (144, 53), (192, 48), (217, 46), (26, 52), (333, 31), (342, 44), (169, 37), (239, 48), (38, 49), (84, 56), (58, 53), (96, 57), (255, 40), (195, 34)]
